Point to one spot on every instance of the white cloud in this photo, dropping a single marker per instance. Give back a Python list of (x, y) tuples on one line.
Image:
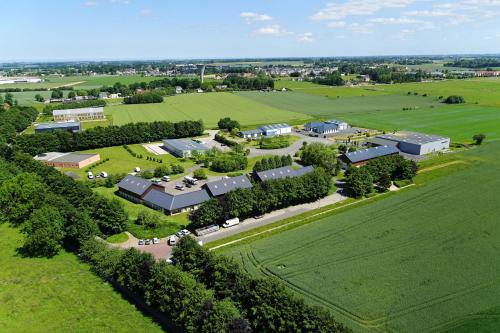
[(335, 11), (251, 17), (272, 30), (393, 20), (336, 24), (306, 37), (429, 13), (90, 4)]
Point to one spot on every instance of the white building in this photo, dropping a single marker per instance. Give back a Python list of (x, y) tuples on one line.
[(326, 127), (96, 113), (275, 129)]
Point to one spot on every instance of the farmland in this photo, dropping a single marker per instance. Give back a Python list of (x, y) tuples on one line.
[(59, 294), (210, 107), (401, 264)]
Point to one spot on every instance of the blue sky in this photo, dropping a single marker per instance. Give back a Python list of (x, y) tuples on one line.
[(168, 29)]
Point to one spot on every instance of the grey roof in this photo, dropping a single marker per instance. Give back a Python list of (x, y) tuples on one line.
[(64, 125), (382, 142), (185, 144), (72, 112), (412, 137), (282, 172), (273, 127), (370, 153), (225, 185), (251, 132), (63, 157), (134, 184), (314, 124), (172, 202)]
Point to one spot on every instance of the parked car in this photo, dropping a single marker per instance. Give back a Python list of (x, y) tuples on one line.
[(179, 187), (91, 176), (165, 178), (141, 241), (169, 261), (148, 242), (137, 169), (257, 217), (185, 232), (156, 241), (231, 223), (172, 240), (179, 234), (104, 174)]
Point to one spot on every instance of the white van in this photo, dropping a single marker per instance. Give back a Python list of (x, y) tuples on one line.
[(231, 223), (165, 178), (172, 240), (137, 169), (104, 174)]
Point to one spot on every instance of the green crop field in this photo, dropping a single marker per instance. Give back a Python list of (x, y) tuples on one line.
[(423, 260), (208, 106), (59, 295)]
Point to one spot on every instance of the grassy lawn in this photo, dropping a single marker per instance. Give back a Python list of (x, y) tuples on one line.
[(59, 295), (208, 106), (167, 224), (404, 263), (118, 238), (120, 161)]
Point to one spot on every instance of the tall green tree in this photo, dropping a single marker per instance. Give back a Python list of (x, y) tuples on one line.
[(44, 232)]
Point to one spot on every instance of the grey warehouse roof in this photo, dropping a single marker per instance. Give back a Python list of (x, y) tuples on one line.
[(185, 144), (251, 132), (225, 185), (412, 137), (57, 125), (273, 127), (172, 202), (63, 157), (282, 172), (78, 111), (134, 184), (368, 154)]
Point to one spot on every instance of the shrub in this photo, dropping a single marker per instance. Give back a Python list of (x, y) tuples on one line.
[(454, 99), (200, 174), (276, 142), (144, 98)]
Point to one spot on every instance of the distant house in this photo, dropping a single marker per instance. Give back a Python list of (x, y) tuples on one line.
[(178, 90), (416, 143), (96, 113), (67, 160), (173, 204), (221, 87), (199, 90), (72, 126), (103, 95), (114, 95), (361, 157), (220, 187), (183, 147), (275, 129), (364, 78), (326, 127), (252, 134), (282, 172)]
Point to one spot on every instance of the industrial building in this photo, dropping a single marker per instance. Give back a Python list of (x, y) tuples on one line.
[(227, 184), (95, 113), (361, 157), (282, 172), (415, 143), (135, 188), (71, 126), (252, 134), (67, 160), (326, 127), (172, 204), (183, 147), (275, 129)]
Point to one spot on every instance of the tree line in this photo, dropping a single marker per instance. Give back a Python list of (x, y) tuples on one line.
[(380, 171), (99, 137), (144, 98), (272, 162), (244, 83), (263, 197)]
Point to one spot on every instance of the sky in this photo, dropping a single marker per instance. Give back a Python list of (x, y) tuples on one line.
[(54, 30)]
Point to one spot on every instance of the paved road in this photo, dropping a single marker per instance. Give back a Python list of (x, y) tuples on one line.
[(274, 216), (290, 150)]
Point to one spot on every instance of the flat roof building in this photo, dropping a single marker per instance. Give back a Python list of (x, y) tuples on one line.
[(95, 113), (72, 126), (275, 129), (67, 160), (251, 134), (172, 204), (326, 127), (361, 157), (282, 172), (225, 185), (417, 143), (183, 147)]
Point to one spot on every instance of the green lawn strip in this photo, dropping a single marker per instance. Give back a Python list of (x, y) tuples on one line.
[(60, 294), (118, 238)]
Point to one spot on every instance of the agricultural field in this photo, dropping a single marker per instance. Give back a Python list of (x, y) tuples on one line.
[(59, 294), (403, 263), (120, 160), (208, 106)]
